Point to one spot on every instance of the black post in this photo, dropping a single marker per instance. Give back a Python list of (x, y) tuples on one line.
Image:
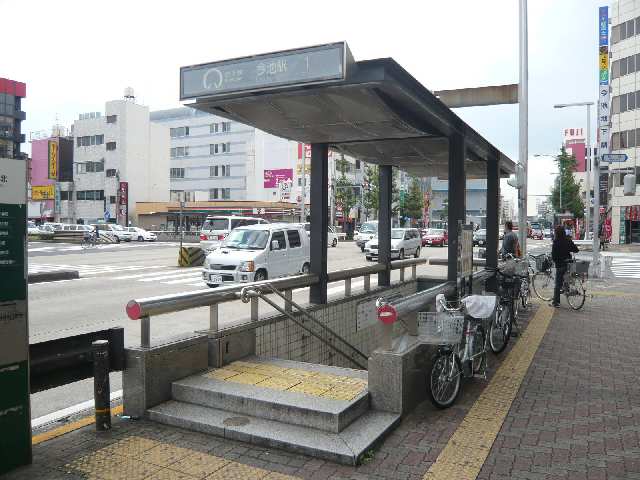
[(319, 219), (101, 389), (493, 206), (385, 186), (457, 193)]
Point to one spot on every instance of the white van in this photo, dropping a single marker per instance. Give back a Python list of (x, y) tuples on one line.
[(216, 228), (367, 231), (258, 252)]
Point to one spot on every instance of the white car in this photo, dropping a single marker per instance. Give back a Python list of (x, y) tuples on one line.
[(32, 229), (142, 235), (258, 252), (368, 231), (118, 231), (332, 235), (216, 228), (404, 242)]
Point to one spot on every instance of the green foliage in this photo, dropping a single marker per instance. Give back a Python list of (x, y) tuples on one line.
[(413, 203), (372, 189), (571, 199), (344, 194)]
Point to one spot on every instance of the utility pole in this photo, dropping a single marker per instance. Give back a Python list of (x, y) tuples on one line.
[(523, 102)]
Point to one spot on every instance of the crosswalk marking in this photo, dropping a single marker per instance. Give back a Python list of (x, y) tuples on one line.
[(626, 267)]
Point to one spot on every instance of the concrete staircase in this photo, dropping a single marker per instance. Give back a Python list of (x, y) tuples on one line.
[(316, 410)]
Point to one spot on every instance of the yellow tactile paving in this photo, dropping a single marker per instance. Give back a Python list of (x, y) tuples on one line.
[(465, 453), (333, 387), (137, 458)]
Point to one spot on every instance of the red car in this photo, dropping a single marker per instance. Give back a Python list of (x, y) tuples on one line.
[(435, 237)]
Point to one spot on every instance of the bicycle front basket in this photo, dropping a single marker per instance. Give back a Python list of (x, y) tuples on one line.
[(440, 328), (579, 267), (521, 268), (543, 263)]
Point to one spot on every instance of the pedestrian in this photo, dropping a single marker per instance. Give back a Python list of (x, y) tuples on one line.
[(510, 244), (561, 251)]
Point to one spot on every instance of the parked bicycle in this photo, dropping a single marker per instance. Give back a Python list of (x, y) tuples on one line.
[(459, 329)]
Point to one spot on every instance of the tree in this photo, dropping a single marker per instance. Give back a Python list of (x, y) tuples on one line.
[(571, 198), (344, 195), (372, 189), (413, 202)]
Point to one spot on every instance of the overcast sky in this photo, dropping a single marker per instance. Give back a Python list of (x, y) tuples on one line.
[(75, 55)]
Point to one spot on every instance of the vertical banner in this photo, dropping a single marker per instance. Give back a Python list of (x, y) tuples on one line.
[(53, 160), (604, 121), (15, 419), (123, 203)]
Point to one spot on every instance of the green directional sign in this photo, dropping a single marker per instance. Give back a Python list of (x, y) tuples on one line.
[(15, 423)]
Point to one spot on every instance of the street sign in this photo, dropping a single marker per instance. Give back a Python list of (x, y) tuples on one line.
[(387, 314), (615, 157)]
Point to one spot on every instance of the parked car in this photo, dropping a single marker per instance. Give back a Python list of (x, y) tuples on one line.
[(332, 235), (216, 228), (547, 233), (404, 242), (537, 234), (32, 228), (118, 232), (480, 237), (142, 235), (435, 236), (54, 226), (368, 231), (258, 252)]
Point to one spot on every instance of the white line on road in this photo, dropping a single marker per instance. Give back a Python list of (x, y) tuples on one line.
[(190, 274), (66, 412)]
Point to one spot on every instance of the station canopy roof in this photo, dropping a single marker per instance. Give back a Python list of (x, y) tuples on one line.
[(373, 110)]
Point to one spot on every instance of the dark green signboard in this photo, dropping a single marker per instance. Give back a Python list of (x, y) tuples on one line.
[(15, 423)]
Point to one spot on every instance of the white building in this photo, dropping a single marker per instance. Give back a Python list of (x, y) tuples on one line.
[(625, 116), (213, 158), (121, 146)]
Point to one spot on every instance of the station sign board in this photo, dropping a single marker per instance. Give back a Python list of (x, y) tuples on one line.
[(286, 68), (615, 157), (15, 424)]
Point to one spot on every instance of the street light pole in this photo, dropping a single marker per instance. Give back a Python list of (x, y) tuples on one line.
[(523, 102)]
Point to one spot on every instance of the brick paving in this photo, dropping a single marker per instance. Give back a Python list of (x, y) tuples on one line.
[(576, 416)]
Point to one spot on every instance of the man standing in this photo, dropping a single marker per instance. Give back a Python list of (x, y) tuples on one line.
[(510, 244)]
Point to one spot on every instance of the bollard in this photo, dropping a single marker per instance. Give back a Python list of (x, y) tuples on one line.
[(101, 390)]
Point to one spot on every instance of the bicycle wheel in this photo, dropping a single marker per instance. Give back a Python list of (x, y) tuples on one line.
[(575, 293), (500, 329), (444, 379), (543, 285), (525, 292)]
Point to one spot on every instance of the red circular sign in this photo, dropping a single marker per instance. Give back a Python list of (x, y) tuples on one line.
[(387, 314)]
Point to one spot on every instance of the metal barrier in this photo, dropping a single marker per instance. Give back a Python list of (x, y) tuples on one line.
[(143, 309), (65, 360)]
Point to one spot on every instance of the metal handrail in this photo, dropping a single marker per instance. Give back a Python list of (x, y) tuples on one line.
[(143, 309)]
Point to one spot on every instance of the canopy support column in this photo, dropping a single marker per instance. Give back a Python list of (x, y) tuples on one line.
[(319, 220), (493, 206), (457, 193), (385, 186)]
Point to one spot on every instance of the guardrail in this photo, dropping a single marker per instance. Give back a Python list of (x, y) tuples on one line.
[(145, 308)]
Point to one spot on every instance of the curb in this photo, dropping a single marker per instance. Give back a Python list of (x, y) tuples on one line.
[(53, 276)]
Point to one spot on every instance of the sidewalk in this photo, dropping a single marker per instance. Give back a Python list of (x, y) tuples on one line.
[(563, 403)]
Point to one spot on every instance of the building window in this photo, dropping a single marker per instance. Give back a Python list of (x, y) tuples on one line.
[(226, 170), (623, 103), (631, 101), (176, 173), (225, 147), (111, 172), (179, 132), (213, 171), (90, 195), (213, 149), (112, 199), (111, 145), (213, 128), (213, 194), (65, 195), (226, 193), (81, 168), (179, 152), (226, 126), (615, 69), (99, 139), (631, 139), (90, 140), (112, 118)]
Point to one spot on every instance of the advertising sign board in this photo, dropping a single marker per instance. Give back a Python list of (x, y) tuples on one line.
[(275, 176), (42, 192), (53, 160)]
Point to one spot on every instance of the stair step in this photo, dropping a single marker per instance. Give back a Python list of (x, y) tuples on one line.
[(345, 447), (293, 407)]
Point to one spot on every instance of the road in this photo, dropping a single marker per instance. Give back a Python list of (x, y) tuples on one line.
[(111, 275)]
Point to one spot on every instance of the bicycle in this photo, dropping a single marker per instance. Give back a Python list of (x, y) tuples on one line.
[(573, 283), (462, 345), (506, 312), (88, 241)]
